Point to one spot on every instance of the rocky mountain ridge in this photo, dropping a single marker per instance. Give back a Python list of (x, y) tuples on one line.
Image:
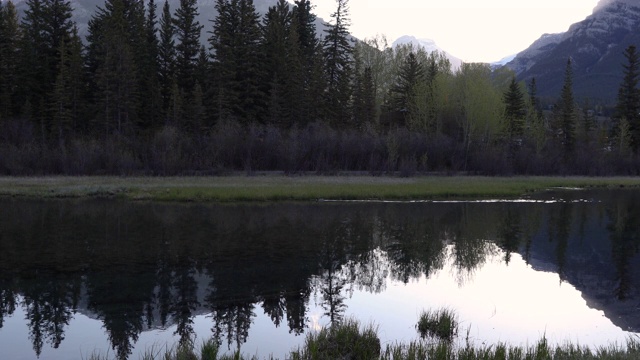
[(595, 46)]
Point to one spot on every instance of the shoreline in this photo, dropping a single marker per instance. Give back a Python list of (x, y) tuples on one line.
[(274, 187)]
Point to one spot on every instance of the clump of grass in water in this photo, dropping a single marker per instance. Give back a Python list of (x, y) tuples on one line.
[(343, 341), (349, 341), (440, 323)]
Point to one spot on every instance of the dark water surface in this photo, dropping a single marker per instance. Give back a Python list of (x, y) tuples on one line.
[(120, 277)]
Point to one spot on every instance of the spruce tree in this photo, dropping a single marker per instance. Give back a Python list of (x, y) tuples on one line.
[(628, 105), (532, 89), (364, 107), (235, 42), (151, 99), (33, 65), (338, 54), (403, 91), (112, 61), (567, 111), (310, 53), (46, 26), (188, 44), (294, 90), (166, 57), (60, 99), (514, 112), (9, 42), (275, 32), (77, 81)]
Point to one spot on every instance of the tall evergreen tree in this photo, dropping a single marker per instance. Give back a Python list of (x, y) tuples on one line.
[(188, 35), (628, 105), (166, 57), (567, 111), (275, 33), (403, 92), (33, 71), (235, 42), (338, 53), (46, 26), (67, 102), (532, 89), (77, 81), (151, 101), (9, 41), (310, 53), (364, 103), (112, 61), (514, 113)]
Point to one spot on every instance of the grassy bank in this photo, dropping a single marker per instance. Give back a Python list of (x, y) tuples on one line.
[(301, 188)]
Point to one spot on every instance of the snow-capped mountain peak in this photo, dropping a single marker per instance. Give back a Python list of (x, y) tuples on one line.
[(429, 46)]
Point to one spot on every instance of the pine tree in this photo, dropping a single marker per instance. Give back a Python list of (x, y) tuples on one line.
[(9, 41), (364, 107), (112, 61), (236, 46), (151, 101), (403, 92), (338, 52), (187, 49), (294, 91), (58, 28), (567, 111), (46, 26), (628, 106), (33, 70), (514, 113), (275, 32), (77, 81), (60, 99), (532, 89), (166, 57), (310, 53)]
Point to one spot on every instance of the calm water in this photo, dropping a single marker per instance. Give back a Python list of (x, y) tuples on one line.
[(118, 278)]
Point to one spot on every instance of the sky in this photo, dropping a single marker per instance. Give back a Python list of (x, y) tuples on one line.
[(472, 30)]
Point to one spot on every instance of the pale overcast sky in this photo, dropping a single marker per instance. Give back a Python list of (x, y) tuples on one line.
[(473, 30)]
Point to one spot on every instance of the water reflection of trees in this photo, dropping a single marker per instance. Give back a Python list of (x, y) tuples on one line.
[(142, 266)]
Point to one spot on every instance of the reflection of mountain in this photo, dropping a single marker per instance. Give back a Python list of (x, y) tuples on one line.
[(136, 266), (598, 254)]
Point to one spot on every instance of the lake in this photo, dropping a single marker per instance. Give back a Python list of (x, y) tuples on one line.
[(116, 277)]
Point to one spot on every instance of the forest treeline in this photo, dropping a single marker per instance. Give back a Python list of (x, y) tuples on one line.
[(140, 94)]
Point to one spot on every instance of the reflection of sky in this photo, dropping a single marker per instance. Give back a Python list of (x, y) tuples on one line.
[(513, 304)]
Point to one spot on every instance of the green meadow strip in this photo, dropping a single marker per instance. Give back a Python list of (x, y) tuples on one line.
[(299, 188)]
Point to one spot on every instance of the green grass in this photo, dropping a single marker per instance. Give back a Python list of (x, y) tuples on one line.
[(440, 323), (344, 341), (302, 188)]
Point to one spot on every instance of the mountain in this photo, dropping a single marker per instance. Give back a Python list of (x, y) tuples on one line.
[(84, 9), (596, 47), (504, 61), (429, 46)]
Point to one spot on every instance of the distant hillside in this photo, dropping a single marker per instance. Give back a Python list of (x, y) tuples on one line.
[(596, 47)]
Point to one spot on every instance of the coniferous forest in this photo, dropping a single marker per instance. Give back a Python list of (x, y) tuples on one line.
[(140, 94)]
